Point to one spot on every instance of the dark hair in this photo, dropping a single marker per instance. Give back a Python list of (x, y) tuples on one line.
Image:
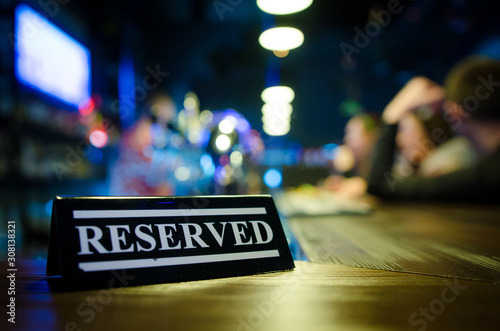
[(473, 84), (370, 120), (432, 122)]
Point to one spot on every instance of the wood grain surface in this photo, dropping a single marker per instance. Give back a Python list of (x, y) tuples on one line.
[(452, 241), (314, 296)]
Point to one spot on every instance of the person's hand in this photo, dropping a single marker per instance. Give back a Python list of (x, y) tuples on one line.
[(332, 183), (353, 187), (419, 91), (349, 188)]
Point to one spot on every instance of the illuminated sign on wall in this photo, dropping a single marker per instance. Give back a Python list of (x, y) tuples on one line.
[(50, 61)]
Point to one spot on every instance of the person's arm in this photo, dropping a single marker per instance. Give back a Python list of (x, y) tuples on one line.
[(381, 176), (478, 183), (419, 91)]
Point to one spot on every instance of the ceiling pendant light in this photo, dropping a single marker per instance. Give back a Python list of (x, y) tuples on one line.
[(278, 95), (281, 39), (277, 109), (283, 7)]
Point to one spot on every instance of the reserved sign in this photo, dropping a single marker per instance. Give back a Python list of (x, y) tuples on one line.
[(164, 239)]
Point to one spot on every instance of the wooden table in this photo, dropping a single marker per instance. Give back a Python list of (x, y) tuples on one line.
[(315, 296), (460, 241)]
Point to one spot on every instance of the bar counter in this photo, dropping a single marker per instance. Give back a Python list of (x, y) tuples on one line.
[(314, 296)]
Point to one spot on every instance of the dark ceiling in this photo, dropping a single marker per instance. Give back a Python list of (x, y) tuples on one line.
[(216, 54)]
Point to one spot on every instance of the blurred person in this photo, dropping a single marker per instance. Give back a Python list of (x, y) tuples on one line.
[(352, 160), (360, 137), (137, 171), (427, 147), (472, 107)]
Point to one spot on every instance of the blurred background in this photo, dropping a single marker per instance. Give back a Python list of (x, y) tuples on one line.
[(166, 97)]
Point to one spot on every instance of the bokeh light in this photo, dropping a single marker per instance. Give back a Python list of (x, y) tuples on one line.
[(278, 95), (224, 160), (182, 173), (282, 53), (283, 7), (227, 125), (281, 110), (273, 178), (276, 128), (223, 143), (207, 165), (206, 117), (98, 138), (191, 101), (281, 38), (86, 108), (236, 159)]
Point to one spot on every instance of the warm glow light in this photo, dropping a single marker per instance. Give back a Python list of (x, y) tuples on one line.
[(227, 125), (278, 95), (206, 116), (282, 38), (277, 128), (236, 159), (343, 158), (182, 174), (189, 103), (276, 116), (281, 53), (266, 120), (280, 110), (98, 138), (283, 7), (277, 125), (223, 143)]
